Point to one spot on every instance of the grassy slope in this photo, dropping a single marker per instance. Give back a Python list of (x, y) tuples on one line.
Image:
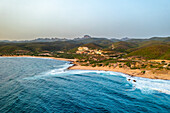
[(151, 49), (92, 46), (124, 46), (153, 52), (7, 48)]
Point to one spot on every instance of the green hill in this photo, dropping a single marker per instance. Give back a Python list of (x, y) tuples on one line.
[(92, 46), (104, 42), (153, 48), (165, 39), (124, 46), (10, 48), (153, 52)]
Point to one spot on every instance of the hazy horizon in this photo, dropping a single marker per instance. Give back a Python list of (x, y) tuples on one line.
[(27, 20), (82, 37)]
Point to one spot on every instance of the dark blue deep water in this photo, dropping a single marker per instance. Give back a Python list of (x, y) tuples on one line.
[(34, 85)]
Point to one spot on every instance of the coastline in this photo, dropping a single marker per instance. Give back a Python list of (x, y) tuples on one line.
[(134, 73), (64, 59)]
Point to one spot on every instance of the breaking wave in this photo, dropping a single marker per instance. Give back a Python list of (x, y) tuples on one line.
[(46, 85)]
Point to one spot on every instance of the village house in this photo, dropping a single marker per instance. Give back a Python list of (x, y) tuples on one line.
[(86, 50), (83, 48), (44, 54)]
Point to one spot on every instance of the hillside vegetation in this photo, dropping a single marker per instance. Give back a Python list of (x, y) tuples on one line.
[(153, 52), (10, 48), (124, 46), (153, 48)]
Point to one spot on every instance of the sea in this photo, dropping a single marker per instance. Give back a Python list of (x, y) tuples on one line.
[(42, 85)]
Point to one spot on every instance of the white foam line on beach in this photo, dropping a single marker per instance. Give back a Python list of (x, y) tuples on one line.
[(28, 57), (147, 85), (95, 71), (144, 84)]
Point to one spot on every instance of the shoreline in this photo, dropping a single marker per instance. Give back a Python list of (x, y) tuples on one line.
[(133, 73), (63, 59)]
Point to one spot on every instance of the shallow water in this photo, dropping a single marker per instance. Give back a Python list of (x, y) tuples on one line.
[(36, 85)]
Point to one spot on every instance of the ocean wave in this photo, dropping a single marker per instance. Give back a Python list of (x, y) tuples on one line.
[(144, 84), (151, 85), (48, 84), (59, 70)]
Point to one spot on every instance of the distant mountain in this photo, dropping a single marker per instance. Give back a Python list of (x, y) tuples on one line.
[(160, 38), (89, 39), (163, 39), (36, 40), (48, 39), (92, 40), (87, 36), (4, 41), (132, 46), (125, 39)]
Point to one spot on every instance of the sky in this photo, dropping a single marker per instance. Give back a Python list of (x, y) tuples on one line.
[(30, 19)]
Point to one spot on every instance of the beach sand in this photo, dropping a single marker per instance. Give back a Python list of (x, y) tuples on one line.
[(131, 72)]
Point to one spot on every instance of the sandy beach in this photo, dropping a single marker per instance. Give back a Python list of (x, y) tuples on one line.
[(64, 59), (131, 72)]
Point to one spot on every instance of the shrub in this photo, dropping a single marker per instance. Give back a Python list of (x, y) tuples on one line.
[(128, 64), (162, 62), (84, 64), (143, 72), (143, 66), (99, 65), (134, 68), (94, 65), (106, 64)]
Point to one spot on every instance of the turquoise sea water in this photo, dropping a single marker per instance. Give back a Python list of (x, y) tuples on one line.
[(35, 85)]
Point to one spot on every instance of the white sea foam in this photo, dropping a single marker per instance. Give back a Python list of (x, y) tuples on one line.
[(144, 84), (147, 85), (60, 70), (150, 85), (96, 71)]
